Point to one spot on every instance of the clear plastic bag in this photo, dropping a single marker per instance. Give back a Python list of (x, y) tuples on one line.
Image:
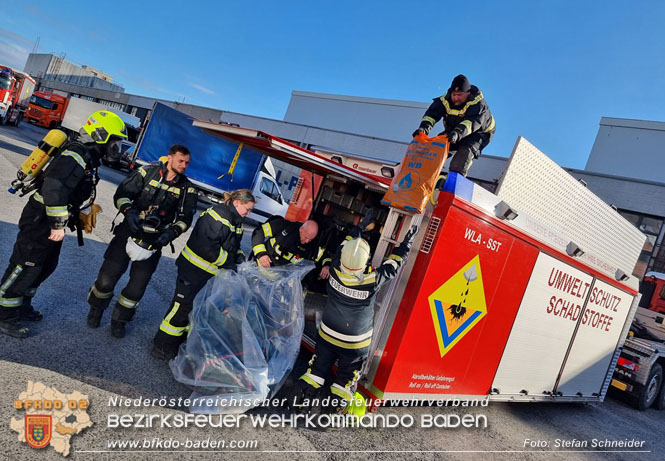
[(245, 336)]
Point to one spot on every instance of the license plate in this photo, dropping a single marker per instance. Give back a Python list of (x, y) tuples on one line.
[(619, 385)]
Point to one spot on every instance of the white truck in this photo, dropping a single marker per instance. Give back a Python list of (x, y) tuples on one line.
[(79, 110)]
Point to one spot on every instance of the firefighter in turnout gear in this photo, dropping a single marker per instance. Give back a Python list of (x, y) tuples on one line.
[(158, 203), (468, 122), (66, 185), (279, 242), (345, 332), (213, 245)]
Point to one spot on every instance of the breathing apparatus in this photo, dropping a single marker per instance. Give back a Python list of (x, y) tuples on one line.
[(104, 128), (32, 168)]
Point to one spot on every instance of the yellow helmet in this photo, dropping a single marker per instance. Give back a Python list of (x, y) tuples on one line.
[(104, 124), (355, 255)]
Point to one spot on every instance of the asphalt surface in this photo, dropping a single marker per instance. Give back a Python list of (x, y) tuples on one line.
[(63, 353)]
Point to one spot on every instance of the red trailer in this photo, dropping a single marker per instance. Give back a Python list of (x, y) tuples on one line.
[(526, 294)]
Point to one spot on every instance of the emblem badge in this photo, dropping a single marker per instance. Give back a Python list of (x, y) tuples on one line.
[(38, 430)]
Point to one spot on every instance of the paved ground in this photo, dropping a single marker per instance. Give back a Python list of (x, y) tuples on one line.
[(63, 353)]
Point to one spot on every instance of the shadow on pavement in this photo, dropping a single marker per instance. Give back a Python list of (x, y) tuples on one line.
[(14, 148), (63, 343), (24, 133)]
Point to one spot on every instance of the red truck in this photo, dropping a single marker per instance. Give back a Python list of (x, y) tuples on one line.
[(46, 109), (15, 90), (639, 372), (652, 288)]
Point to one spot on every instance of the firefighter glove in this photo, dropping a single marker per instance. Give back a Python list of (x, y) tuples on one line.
[(240, 258), (453, 136), (133, 221), (408, 238), (165, 238), (89, 219), (422, 130), (389, 270)]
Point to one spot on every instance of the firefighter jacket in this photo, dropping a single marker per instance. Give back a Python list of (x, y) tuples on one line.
[(148, 191), (215, 240), (471, 117), (69, 181), (280, 239), (348, 317)]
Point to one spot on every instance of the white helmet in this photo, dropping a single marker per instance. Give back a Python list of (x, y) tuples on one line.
[(355, 255), (138, 250)]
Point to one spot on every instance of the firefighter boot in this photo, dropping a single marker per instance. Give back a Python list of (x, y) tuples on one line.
[(164, 352), (12, 327), (27, 312), (98, 302), (9, 317), (119, 318), (94, 317), (305, 399), (118, 328)]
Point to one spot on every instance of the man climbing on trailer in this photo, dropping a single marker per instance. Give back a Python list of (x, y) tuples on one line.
[(467, 122)]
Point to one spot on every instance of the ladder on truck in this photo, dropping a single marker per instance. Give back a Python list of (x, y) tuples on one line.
[(398, 223)]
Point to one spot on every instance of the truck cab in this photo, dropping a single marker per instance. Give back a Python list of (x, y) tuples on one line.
[(46, 109), (15, 90), (652, 289), (269, 199), (6, 84), (639, 370)]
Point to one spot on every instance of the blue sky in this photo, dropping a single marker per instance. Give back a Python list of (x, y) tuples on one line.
[(548, 69)]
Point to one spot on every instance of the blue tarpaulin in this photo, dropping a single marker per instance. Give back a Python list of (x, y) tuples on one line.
[(211, 155)]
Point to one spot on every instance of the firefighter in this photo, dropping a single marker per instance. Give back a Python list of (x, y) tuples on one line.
[(158, 203), (66, 184), (346, 328), (467, 121), (213, 245), (279, 242)]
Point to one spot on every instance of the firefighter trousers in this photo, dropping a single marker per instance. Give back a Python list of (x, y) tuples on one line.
[(33, 260), (466, 150), (115, 264), (350, 363), (172, 330)]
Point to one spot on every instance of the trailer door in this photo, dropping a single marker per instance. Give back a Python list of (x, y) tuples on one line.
[(543, 329)]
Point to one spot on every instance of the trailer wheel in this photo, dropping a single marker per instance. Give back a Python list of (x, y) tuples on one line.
[(652, 388), (19, 117), (660, 401)]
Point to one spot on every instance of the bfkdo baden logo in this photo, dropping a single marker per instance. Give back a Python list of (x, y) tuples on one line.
[(458, 305), (51, 417), (38, 430)]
